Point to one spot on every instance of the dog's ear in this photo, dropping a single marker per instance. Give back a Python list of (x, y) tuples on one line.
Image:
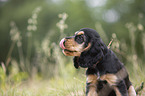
[(76, 62), (94, 54)]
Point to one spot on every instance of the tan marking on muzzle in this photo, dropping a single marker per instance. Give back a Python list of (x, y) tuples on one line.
[(67, 53), (71, 45)]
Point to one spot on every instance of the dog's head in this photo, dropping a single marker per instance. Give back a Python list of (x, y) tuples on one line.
[(86, 46)]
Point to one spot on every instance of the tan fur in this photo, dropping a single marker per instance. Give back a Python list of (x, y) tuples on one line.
[(131, 91), (110, 78), (92, 92), (88, 47), (113, 79), (117, 91), (92, 79), (76, 32), (74, 48), (80, 33), (67, 53)]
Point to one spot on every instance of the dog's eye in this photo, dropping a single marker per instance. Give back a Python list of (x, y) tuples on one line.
[(79, 39)]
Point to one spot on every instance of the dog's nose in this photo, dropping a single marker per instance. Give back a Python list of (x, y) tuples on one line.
[(62, 43)]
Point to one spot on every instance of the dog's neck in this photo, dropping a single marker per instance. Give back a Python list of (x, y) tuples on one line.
[(104, 52), (94, 65)]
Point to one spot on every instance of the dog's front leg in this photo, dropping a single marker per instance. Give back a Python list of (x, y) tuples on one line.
[(118, 85), (121, 89), (91, 87)]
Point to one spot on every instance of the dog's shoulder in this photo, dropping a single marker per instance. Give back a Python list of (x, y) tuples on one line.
[(110, 63)]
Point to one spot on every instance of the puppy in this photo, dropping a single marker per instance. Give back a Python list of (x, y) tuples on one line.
[(106, 75)]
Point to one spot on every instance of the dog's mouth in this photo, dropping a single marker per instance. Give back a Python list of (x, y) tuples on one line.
[(68, 50), (62, 45)]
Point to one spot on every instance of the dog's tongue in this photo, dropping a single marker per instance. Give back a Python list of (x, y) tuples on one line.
[(61, 44)]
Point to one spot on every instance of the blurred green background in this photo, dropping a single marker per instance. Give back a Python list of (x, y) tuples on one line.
[(30, 31)]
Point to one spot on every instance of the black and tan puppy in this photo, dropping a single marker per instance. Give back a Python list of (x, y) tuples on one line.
[(106, 75)]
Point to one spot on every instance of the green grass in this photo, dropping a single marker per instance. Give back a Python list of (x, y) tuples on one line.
[(59, 86)]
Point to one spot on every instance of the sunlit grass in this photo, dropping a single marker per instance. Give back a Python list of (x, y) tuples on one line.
[(68, 86)]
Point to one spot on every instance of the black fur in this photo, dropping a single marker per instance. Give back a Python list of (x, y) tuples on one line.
[(75, 60), (97, 51), (108, 61), (122, 88)]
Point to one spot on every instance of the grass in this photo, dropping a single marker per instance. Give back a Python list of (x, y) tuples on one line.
[(54, 74), (58, 86)]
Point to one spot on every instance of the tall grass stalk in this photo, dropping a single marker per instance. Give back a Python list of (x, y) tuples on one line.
[(61, 66), (143, 42), (15, 36), (61, 24), (32, 27)]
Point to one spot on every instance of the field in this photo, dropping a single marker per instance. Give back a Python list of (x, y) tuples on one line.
[(43, 70)]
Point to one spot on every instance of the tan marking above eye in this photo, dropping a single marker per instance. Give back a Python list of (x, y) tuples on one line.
[(79, 33), (76, 32)]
